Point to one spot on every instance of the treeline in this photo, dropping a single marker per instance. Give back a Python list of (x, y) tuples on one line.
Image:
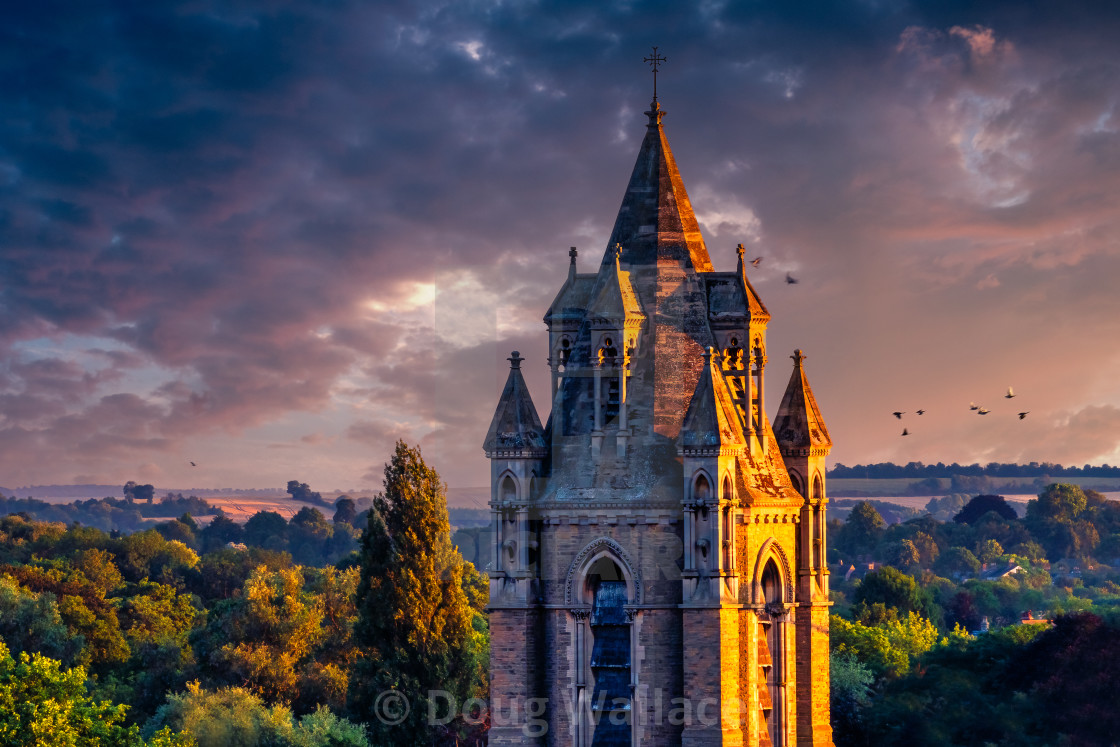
[(109, 514), (889, 470), (930, 606), (272, 633)]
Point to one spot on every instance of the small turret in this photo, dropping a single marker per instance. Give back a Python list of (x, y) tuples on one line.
[(710, 440), (516, 446)]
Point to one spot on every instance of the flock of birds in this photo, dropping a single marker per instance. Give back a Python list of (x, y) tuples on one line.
[(971, 406), (791, 280)]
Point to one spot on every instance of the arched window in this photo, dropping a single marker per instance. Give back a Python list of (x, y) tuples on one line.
[(610, 654), (771, 654), (795, 478), (701, 489)]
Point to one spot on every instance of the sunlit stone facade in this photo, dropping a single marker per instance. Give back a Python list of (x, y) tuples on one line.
[(658, 574)]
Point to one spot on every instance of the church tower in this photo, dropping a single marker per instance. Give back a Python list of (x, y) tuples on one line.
[(657, 575)]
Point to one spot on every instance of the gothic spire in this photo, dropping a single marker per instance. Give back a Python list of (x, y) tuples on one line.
[(516, 428), (655, 221), (711, 423), (799, 427)]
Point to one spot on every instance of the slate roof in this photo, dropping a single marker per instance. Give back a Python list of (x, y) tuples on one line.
[(516, 427), (655, 221), (616, 300), (798, 425), (711, 422)]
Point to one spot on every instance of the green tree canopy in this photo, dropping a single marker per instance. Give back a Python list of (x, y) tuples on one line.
[(44, 705), (896, 590), (863, 529), (235, 716), (981, 505)]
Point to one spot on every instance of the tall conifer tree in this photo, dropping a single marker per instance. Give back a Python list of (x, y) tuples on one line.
[(414, 619)]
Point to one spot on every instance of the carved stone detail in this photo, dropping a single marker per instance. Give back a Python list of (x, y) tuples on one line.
[(619, 554)]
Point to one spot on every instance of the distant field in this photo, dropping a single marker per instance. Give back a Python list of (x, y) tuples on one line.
[(891, 486)]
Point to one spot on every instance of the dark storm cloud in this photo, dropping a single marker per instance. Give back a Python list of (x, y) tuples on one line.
[(232, 202)]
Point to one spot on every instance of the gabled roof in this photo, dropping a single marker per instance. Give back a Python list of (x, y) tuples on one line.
[(798, 425), (655, 221), (711, 424), (516, 428)]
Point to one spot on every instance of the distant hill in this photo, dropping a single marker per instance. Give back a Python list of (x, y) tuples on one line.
[(85, 492)]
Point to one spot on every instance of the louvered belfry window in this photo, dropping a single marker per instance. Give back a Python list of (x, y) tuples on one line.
[(610, 665)]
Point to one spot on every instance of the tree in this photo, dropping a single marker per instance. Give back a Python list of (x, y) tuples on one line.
[(990, 551), (863, 529), (134, 492), (892, 588), (1067, 669), (44, 705), (414, 621), (902, 554), (958, 562), (219, 532), (981, 505), (264, 638), (267, 529), (30, 622), (308, 536), (345, 511), (234, 716), (301, 491), (1058, 501)]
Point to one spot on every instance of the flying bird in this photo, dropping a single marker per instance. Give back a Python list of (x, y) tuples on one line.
[(1023, 415), (898, 415), (193, 464), (905, 432), (983, 411), (791, 280), (756, 261), (1010, 393), (973, 406), (920, 412)]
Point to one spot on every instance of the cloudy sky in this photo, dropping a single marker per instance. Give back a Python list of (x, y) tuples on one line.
[(272, 238)]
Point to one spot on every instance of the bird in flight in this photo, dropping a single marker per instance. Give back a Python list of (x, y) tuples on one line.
[(791, 280), (920, 412), (1010, 393), (1023, 415), (973, 406), (193, 464), (898, 415), (983, 411), (756, 261), (905, 432)]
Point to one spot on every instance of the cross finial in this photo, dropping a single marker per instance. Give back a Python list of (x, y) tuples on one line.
[(573, 253), (655, 61), (515, 360)]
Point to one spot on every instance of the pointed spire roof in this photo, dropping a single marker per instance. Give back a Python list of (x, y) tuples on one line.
[(754, 303), (711, 425), (616, 301), (655, 221), (516, 428), (798, 425)]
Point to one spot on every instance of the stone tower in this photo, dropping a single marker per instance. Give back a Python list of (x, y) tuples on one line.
[(657, 574)]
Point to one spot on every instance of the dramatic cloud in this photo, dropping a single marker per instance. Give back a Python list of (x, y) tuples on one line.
[(273, 238)]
